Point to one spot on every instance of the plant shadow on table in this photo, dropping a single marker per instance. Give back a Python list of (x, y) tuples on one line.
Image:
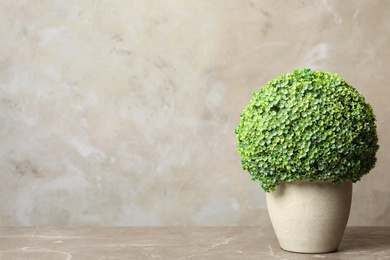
[(365, 239)]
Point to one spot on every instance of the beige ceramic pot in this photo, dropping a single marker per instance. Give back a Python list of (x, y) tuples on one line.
[(310, 217)]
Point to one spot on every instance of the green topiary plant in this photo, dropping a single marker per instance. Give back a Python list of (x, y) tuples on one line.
[(307, 125)]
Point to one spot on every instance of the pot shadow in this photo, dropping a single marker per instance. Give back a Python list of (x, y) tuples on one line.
[(373, 239)]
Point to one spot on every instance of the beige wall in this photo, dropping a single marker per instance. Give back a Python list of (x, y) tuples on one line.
[(122, 112)]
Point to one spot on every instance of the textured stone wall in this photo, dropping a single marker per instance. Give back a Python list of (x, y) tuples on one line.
[(122, 112)]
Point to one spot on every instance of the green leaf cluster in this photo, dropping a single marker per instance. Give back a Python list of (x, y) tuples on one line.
[(307, 125)]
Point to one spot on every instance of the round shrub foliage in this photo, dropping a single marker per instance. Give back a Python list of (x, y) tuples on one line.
[(307, 125)]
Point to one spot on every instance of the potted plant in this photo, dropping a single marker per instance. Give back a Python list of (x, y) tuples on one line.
[(306, 137)]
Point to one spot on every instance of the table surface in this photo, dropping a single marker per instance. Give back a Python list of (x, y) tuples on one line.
[(176, 243)]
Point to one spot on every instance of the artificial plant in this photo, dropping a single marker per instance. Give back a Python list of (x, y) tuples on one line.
[(307, 125)]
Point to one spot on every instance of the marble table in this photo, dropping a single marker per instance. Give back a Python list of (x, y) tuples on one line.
[(176, 243)]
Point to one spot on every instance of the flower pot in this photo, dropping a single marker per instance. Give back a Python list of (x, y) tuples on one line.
[(309, 217)]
